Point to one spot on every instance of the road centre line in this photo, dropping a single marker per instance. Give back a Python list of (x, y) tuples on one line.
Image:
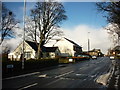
[(58, 77), (28, 86), (63, 74), (21, 76)]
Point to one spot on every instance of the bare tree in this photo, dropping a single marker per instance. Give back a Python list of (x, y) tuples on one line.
[(31, 31), (46, 17), (5, 50), (112, 10), (8, 23), (113, 30)]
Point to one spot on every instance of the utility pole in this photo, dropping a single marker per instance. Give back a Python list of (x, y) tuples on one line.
[(1, 44), (1, 22), (24, 14), (88, 42), (88, 45), (118, 40)]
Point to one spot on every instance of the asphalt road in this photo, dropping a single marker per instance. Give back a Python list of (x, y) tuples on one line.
[(77, 75)]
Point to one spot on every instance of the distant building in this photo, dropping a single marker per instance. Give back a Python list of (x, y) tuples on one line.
[(30, 51), (68, 47), (114, 51), (95, 52)]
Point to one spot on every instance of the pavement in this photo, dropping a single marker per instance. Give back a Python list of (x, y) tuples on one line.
[(114, 82), (11, 73)]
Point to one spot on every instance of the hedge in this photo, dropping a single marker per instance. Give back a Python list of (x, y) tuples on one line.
[(28, 65)]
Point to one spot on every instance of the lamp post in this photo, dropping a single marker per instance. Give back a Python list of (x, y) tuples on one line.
[(24, 14), (1, 21), (118, 39), (88, 42), (1, 45)]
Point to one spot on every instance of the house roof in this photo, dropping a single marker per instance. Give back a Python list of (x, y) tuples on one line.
[(33, 45), (44, 49), (95, 50), (72, 42)]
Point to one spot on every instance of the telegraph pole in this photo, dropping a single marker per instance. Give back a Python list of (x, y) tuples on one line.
[(118, 40), (1, 44), (24, 14), (1, 22), (88, 45), (88, 42)]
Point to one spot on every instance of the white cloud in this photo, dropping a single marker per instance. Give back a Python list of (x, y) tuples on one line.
[(98, 37), (13, 42)]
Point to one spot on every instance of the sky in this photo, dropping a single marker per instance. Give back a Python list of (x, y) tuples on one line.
[(83, 17), (77, 12)]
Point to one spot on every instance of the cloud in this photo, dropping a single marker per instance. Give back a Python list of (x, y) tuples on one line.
[(99, 38), (13, 42)]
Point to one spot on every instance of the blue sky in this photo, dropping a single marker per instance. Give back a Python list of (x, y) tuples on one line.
[(83, 17), (78, 13), (83, 13)]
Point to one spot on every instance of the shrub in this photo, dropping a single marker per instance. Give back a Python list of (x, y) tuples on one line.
[(29, 64)]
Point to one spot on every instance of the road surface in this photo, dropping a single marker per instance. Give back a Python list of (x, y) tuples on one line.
[(74, 75)]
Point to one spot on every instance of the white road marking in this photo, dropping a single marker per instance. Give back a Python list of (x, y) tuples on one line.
[(21, 76), (45, 75), (66, 78), (28, 86), (81, 68), (63, 74), (60, 65), (78, 74)]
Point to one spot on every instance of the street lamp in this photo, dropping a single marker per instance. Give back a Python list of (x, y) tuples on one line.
[(118, 39), (0, 42), (88, 42), (24, 14)]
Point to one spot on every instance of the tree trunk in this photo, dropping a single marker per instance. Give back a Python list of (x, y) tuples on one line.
[(40, 46), (39, 51)]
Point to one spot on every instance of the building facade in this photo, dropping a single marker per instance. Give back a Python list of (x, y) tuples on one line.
[(30, 51), (68, 47), (114, 52)]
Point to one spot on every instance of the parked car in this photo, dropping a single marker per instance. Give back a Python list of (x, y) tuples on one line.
[(83, 56), (71, 60), (94, 57), (112, 57)]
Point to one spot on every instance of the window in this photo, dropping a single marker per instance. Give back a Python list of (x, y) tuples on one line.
[(27, 55)]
